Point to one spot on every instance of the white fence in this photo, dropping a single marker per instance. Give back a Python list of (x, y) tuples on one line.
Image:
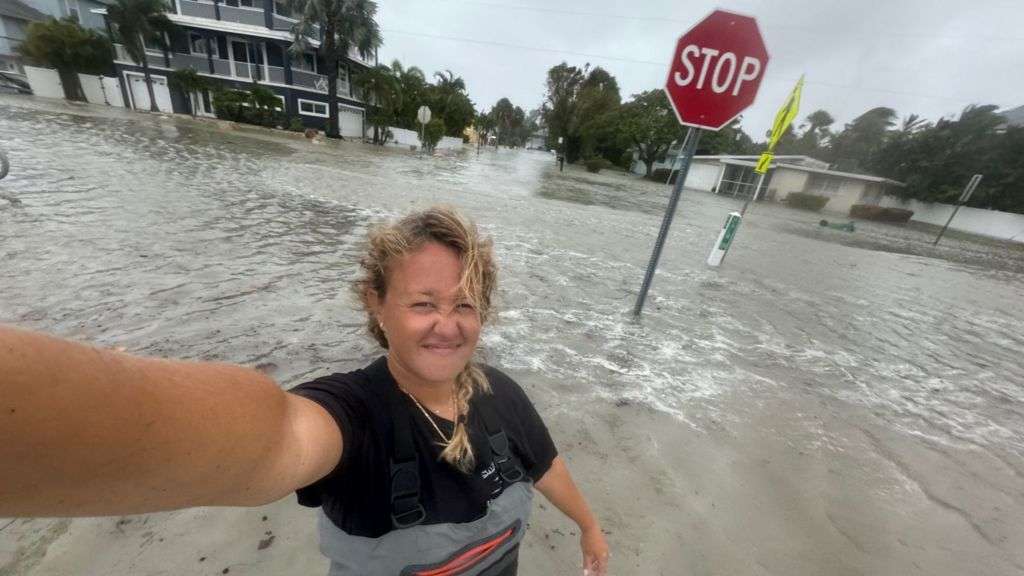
[(102, 90), (44, 82), (405, 138), (449, 143), (991, 223)]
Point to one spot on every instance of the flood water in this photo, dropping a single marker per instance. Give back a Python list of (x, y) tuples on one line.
[(173, 238)]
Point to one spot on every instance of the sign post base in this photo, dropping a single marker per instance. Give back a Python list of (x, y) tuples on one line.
[(724, 240)]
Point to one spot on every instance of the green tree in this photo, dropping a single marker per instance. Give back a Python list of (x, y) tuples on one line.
[(432, 133), (578, 107), (484, 125), (598, 98), (70, 49), (188, 82), (559, 110), (648, 123), (502, 113), (731, 139), (412, 86), (936, 161), (449, 101), (136, 22), (343, 25), (853, 148), (382, 89)]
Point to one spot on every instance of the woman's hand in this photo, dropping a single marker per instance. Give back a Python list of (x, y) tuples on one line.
[(595, 552)]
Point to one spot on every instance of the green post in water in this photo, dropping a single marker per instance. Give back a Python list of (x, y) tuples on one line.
[(732, 224)]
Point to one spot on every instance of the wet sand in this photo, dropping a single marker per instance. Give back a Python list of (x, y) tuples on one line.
[(825, 404)]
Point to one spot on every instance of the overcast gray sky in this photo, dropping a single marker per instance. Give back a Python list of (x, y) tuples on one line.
[(930, 57)]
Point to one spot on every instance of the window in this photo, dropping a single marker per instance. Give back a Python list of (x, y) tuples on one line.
[(282, 9), (152, 44), (313, 108), (197, 45), (306, 62)]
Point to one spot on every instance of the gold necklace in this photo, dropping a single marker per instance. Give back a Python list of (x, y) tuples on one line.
[(447, 440)]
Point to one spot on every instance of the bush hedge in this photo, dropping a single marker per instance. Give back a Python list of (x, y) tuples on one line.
[(879, 213), (660, 174), (249, 108), (596, 164), (806, 201)]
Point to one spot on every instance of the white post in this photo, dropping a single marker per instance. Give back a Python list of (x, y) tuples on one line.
[(721, 176), (724, 240)]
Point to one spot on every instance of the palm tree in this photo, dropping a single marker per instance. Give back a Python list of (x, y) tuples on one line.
[(913, 124), (382, 91), (137, 22), (343, 25), (413, 84)]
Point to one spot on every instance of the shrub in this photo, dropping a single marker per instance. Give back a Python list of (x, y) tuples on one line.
[(433, 132), (806, 201), (660, 174), (596, 164), (626, 160), (248, 108), (295, 124), (879, 213)]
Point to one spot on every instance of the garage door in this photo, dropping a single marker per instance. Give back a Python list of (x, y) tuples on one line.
[(702, 176), (350, 122), (140, 95)]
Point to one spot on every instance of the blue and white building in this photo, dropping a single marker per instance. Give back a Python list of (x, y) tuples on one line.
[(234, 42), (16, 15)]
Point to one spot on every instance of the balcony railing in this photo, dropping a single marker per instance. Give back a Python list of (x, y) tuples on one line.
[(242, 70)]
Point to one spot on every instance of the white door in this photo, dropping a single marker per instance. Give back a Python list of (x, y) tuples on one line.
[(140, 95), (350, 122), (702, 176)]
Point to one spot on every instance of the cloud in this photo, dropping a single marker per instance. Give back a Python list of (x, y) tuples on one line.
[(926, 57)]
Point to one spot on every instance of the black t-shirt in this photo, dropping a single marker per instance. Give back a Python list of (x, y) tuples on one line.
[(356, 494)]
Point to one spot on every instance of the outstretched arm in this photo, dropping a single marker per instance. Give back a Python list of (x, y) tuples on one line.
[(558, 487), (88, 432)]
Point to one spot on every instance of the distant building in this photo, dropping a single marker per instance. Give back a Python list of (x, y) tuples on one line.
[(78, 10), (15, 16), (1013, 116), (233, 43), (735, 176)]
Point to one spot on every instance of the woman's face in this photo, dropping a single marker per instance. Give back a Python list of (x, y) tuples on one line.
[(431, 328)]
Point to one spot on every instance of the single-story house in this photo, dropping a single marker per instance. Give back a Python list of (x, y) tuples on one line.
[(734, 175)]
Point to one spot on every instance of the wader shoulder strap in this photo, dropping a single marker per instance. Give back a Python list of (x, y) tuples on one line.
[(508, 467), (406, 509)]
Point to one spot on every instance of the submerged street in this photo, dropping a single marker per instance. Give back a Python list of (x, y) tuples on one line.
[(826, 402)]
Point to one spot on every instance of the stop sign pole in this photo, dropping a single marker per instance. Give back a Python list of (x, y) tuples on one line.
[(716, 69)]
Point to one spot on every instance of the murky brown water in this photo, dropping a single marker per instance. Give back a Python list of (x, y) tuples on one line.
[(172, 238)]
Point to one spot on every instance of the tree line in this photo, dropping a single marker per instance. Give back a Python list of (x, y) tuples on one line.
[(584, 108)]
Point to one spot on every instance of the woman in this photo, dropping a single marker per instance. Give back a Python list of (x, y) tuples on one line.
[(423, 462)]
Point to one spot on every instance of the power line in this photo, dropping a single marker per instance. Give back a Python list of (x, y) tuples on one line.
[(690, 22), (662, 65)]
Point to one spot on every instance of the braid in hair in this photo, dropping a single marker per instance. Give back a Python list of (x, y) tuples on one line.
[(459, 452)]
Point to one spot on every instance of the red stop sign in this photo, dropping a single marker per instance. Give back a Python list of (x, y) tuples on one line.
[(716, 70)]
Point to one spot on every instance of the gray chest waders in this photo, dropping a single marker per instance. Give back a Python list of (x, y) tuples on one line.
[(483, 547)]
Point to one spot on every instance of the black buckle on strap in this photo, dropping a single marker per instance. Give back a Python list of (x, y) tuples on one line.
[(509, 470), (406, 509)]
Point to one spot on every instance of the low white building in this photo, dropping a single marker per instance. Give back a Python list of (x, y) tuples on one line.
[(734, 175)]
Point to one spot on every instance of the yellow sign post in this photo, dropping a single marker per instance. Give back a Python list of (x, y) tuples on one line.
[(783, 118)]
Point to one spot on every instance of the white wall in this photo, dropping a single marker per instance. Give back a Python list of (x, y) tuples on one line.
[(403, 137), (449, 143), (45, 82), (991, 223), (101, 90)]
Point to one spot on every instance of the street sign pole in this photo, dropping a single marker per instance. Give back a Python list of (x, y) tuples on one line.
[(964, 197), (753, 197), (675, 161), (692, 136)]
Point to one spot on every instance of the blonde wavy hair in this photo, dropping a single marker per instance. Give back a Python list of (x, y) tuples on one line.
[(447, 227)]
